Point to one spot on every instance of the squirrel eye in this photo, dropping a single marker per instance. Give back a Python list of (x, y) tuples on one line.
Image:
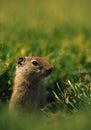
[(35, 63)]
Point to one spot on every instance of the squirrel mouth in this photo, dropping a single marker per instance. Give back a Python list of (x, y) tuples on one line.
[(48, 72)]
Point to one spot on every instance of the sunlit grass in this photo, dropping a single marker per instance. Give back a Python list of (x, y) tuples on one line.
[(59, 31)]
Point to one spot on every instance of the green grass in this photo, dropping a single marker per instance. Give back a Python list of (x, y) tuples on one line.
[(60, 31), (60, 120)]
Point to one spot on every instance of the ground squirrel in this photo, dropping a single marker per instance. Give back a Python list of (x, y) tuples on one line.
[(28, 93)]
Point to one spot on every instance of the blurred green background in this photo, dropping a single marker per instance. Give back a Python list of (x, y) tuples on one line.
[(59, 31)]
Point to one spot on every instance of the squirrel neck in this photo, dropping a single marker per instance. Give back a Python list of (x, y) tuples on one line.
[(22, 81)]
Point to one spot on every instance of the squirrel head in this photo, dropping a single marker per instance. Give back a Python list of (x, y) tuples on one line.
[(33, 67)]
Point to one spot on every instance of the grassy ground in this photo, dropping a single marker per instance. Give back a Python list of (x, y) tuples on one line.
[(60, 31), (80, 121)]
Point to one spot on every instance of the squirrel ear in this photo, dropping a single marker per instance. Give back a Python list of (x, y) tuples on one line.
[(21, 60)]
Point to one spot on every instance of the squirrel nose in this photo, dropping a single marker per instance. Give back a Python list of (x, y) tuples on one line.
[(50, 70)]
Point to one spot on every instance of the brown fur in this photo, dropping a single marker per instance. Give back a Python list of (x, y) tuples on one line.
[(28, 93)]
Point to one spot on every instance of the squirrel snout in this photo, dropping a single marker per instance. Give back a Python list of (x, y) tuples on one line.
[(50, 70)]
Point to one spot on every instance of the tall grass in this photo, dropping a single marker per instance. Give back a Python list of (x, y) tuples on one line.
[(60, 31)]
